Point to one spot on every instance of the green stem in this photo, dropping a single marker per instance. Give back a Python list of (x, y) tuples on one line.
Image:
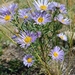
[(18, 24), (8, 36), (29, 6), (42, 62)]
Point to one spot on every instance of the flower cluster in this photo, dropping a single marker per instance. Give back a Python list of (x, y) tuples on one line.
[(40, 16), (36, 25)]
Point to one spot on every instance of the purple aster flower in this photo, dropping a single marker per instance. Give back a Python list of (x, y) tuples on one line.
[(28, 60), (62, 36), (6, 13), (12, 7), (56, 4), (38, 34), (24, 14), (53, 5), (41, 18), (63, 20), (62, 9), (41, 5), (57, 54), (25, 38)]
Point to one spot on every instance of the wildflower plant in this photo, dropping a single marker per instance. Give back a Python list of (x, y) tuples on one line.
[(39, 33)]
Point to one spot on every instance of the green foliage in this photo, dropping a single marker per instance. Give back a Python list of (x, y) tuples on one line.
[(1, 52), (14, 66), (17, 67)]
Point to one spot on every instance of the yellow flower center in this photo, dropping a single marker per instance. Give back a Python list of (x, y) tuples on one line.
[(40, 19), (61, 37), (27, 39), (63, 20), (25, 17), (55, 54), (29, 60), (7, 17), (43, 7)]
